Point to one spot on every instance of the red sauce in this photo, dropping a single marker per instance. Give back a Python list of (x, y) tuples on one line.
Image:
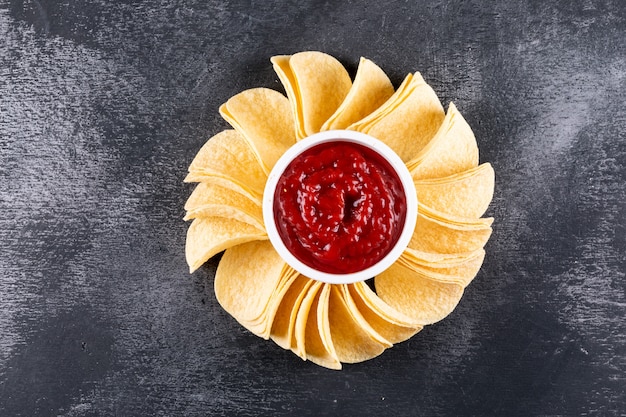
[(339, 207)]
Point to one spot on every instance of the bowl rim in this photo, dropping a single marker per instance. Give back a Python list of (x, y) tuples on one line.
[(340, 136)]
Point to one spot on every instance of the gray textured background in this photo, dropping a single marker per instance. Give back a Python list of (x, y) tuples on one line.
[(103, 104)]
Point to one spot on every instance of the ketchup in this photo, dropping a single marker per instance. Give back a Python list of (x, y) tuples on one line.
[(339, 207)]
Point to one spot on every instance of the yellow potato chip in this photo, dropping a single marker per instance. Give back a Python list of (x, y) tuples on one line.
[(423, 300), (351, 342), (436, 235), (466, 194), (413, 121), (212, 200), (358, 317), (378, 318), (245, 281), (462, 222), (403, 91), (381, 308), (459, 271), (323, 323), (280, 64), (263, 324), (453, 149), (371, 88), (299, 329), (317, 85), (285, 319), (227, 160), (209, 236), (224, 183), (430, 257), (264, 118), (308, 329), (295, 347)]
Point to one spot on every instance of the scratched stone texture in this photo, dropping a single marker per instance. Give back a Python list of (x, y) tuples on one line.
[(103, 105)]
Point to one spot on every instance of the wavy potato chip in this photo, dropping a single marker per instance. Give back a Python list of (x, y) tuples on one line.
[(213, 200), (460, 271), (437, 235), (423, 300), (380, 316), (404, 90), (453, 149), (310, 337), (358, 317), (317, 85), (227, 160), (245, 281), (264, 118), (371, 88), (262, 326), (466, 194), (411, 121), (351, 341), (283, 327), (208, 236)]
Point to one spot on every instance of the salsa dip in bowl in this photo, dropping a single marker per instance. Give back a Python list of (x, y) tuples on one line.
[(340, 206)]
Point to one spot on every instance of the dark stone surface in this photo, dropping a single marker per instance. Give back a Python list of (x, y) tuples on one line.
[(103, 104)]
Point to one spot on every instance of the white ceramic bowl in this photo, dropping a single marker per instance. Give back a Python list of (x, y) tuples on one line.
[(344, 136)]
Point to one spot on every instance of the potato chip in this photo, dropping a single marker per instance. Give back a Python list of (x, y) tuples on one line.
[(294, 315), (227, 160), (460, 271), (264, 324), (246, 279), (453, 149), (209, 236), (285, 319), (412, 122), (316, 84), (303, 315), (355, 312), (403, 91), (423, 300), (308, 334), (381, 308), (379, 316), (462, 222), (351, 342), (323, 323), (466, 194), (434, 234), (431, 257), (212, 200), (280, 64), (224, 183), (264, 118), (371, 88)]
